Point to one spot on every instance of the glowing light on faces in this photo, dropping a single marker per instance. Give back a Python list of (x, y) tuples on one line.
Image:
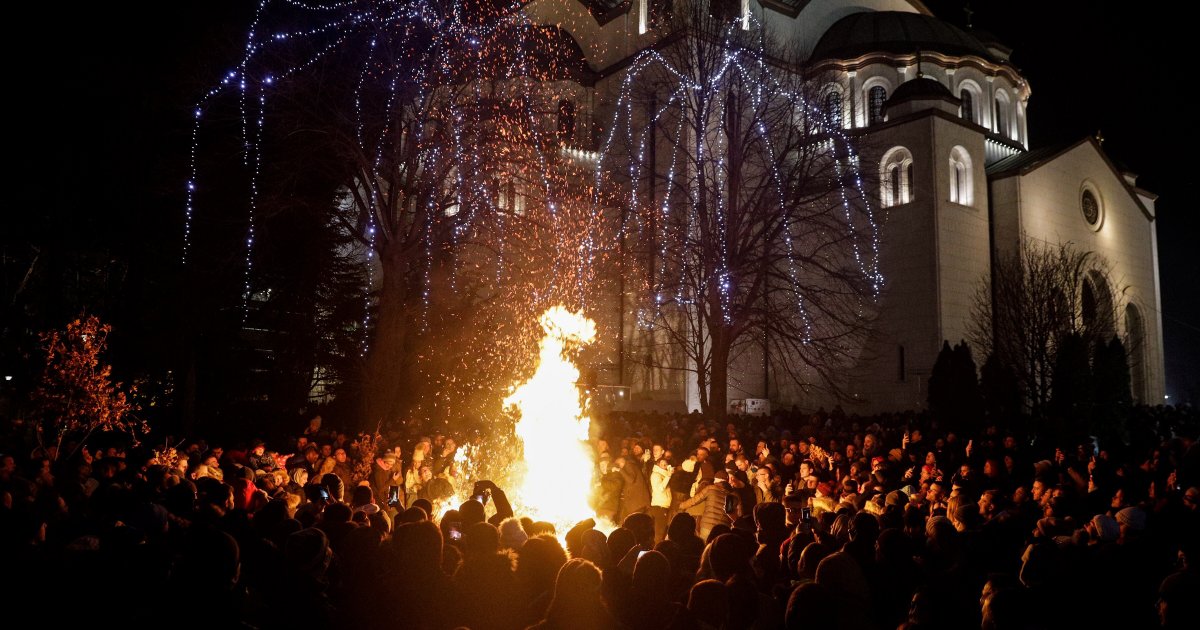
[(553, 427)]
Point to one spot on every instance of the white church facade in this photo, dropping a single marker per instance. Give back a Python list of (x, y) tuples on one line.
[(958, 180)]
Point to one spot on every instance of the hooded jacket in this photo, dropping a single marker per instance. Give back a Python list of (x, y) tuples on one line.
[(660, 489)]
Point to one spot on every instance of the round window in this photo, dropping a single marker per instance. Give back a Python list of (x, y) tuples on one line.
[(1091, 207)]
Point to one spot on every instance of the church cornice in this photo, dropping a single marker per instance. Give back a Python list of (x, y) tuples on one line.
[(895, 122), (947, 62)]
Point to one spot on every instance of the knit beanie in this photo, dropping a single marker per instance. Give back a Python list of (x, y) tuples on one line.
[(1133, 518), (1107, 528)]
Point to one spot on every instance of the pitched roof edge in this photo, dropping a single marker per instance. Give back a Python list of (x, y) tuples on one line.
[(1033, 166)]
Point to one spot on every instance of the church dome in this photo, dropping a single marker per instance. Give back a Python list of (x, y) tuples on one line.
[(895, 32), (920, 94), (921, 88)]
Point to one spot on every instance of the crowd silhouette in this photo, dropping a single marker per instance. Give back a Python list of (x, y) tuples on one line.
[(789, 521)]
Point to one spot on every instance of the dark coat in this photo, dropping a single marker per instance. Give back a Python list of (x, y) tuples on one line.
[(635, 494)]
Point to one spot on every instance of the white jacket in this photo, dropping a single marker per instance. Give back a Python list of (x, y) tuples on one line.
[(660, 492)]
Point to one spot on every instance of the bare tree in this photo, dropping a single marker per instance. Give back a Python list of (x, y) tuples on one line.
[(444, 133), (1034, 299), (752, 234)]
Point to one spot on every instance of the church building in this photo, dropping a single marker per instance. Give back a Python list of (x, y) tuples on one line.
[(960, 184)]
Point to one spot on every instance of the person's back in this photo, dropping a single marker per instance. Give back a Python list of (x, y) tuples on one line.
[(486, 593), (417, 551), (650, 604), (682, 532), (635, 493), (714, 509), (576, 604), (608, 499), (538, 563)]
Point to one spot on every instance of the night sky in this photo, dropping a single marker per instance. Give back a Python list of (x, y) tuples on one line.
[(101, 119)]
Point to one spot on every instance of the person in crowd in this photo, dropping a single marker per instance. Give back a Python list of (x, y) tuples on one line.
[(576, 603), (385, 473), (635, 490), (660, 495)]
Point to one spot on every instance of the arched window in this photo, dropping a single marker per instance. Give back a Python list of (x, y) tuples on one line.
[(1097, 308), (1135, 345), (961, 186), (566, 120), (969, 95), (833, 110), (896, 177), (875, 99), (894, 181), (1001, 117)]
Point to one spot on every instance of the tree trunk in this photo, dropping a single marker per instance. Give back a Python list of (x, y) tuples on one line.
[(389, 390), (718, 381)]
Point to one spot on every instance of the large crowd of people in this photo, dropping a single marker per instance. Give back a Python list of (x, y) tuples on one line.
[(790, 521)]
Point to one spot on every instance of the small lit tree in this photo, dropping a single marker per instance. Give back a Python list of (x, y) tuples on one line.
[(76, 395)]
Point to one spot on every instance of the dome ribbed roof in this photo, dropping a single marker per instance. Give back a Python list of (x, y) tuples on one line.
[(895, 32), (922, 88)]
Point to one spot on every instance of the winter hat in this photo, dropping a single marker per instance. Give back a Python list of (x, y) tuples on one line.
[(1133, 518), (362, 495), (934, 522), (307, 550), (512, 535), (688, 465), (1107, 528), (412, 515)]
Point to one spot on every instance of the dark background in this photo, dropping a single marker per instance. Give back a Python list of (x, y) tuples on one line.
[(100, 99)]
